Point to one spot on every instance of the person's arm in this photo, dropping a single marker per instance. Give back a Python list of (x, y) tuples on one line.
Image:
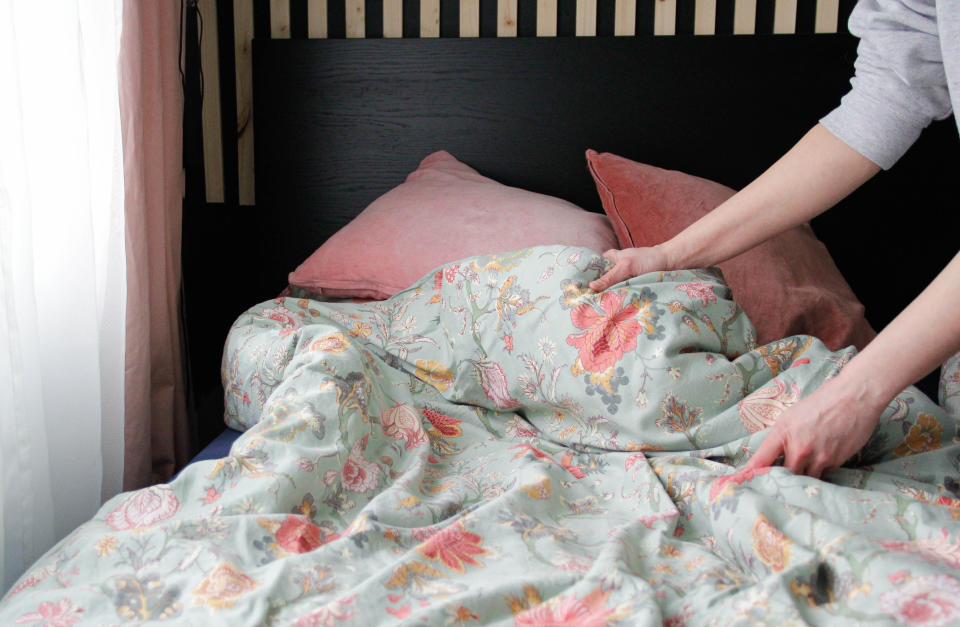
[(827, 428), (810, 178)]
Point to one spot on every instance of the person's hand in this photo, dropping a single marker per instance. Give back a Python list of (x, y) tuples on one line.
[(628, 263), (822, 431)]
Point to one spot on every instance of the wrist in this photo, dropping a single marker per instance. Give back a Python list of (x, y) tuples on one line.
[(672, 255)]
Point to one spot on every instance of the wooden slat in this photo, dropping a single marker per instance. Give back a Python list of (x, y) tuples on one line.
[(242, 37), (280, 19), (665, 17), (210, 113), (393, 18), (828, 14), (429, 18), (625, 18), (785, 17), (705, 17), (469, 18), (546, 18), (356, 19), (506, 18), (745, 17), (586, 18), (317, 19)]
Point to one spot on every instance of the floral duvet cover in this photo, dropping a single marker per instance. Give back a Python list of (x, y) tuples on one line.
[(500, 445)]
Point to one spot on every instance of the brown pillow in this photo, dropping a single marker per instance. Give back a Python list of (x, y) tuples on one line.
[(788, 285)]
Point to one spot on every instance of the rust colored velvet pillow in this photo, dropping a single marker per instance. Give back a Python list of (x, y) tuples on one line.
[(788, 285), (444, 211)]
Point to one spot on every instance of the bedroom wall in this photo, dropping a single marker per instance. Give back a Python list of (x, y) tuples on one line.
[(226, 28)]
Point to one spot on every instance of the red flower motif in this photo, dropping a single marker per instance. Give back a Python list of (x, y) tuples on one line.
[(931, 601), (296, 535), (494, 383), (59, 614), (738, 478), (402, 423), (445, 425), (590, 611), (144, 508), (608, 335), (454, 546), (700, 290), (762, 408), (359, 474), (451, 273)]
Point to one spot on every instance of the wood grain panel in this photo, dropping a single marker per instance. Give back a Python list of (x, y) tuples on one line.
[(356, 19), (280, 19), (785, 17), (546, 18), (317, 19), (242, 38), (745, 17), (828, 12), (392, 18), (429, 18), (586, 18), (665, 17), (625, 18), (705, 17), (469, 18), (210, 113), (506, 18)]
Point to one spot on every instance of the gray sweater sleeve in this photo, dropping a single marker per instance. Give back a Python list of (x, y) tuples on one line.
[(899, 85)]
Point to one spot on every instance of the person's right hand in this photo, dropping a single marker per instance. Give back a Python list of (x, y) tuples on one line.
[(628, 263)]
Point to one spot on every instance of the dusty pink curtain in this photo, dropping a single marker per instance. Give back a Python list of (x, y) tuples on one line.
[(151, 109)]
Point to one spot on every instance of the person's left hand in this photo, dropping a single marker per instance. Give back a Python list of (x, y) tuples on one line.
[(821, 431)]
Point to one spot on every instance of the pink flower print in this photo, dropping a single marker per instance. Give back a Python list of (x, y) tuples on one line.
[(508, 342), (59, 614), (517, 427), (762, 408), (494, 383), (144, 508), (937, 549), (332, 612), (282, 315), (718, 486), (359, 474), (608, 335), (211, 495), (568, 611), (699, 289), (929, 601), (402, 422), (450, 273)]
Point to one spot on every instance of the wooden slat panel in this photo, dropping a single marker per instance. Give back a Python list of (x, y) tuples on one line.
[(745, 17), (586, 18), (828, 12), (210, 114), (785, 17), (242, 38), (356, 20), (469, 18), (280, 19), (546, 18), (625, 18), (665, 17), (429, 18), (393, 18), (705, 17), (317, 19), (506, 18)]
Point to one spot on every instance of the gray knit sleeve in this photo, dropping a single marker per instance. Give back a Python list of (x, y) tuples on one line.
[(899, 85)]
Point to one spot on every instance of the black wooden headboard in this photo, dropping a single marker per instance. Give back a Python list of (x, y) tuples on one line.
[(339, 122)]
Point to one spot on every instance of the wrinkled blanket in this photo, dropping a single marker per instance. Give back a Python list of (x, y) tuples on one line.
[(499, 445)]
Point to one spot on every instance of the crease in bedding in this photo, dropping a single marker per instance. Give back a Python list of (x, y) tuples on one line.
[(499, 445)]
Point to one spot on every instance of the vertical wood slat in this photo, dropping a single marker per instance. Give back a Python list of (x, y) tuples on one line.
[(469, 18), (280, 19), (210, 111), (393, 18), (429, 18), (586, 18), (356, 18), (745, 17), (625, 18), (665, 17), (705, 17), (547, 18), (506, 18), (317, 19), (242, 37), (785, 17), (828, 14)]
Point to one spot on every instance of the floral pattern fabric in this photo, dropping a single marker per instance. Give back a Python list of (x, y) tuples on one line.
[(500, 445)]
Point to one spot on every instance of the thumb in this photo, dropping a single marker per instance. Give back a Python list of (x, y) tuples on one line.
[(614, 275)]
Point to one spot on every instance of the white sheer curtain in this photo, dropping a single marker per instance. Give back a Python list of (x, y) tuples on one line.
[(62, 271)]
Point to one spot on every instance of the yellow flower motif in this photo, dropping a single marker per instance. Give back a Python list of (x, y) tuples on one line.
[(432, 373), (223, 586), (770, 544), (106, 545), (333, 343), (539, 489), (360, 329), (925, 435)]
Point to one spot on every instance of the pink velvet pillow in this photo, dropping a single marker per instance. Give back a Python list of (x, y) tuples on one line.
[(443, 212), (788, 285)]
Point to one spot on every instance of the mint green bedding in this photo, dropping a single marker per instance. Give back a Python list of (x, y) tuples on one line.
[(499, 445)]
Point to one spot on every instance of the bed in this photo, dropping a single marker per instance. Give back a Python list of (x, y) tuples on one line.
[(490, 442)]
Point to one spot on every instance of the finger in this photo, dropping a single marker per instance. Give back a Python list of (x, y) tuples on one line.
[(613, 275), (766, 455)]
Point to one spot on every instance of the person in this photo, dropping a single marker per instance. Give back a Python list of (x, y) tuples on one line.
[(907, 74)]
